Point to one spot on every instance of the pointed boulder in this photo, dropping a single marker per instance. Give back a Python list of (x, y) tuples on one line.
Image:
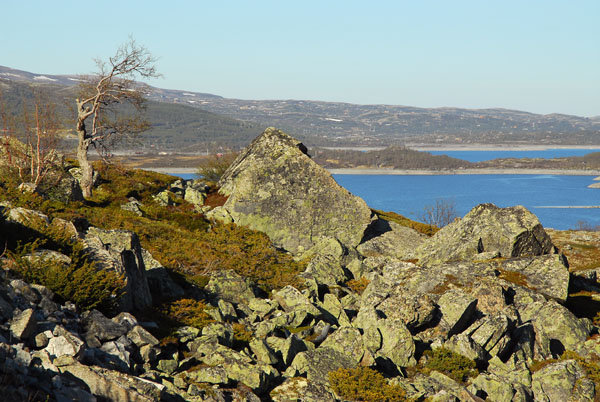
[(274, 187)]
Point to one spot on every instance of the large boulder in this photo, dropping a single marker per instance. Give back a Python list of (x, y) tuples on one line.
[(509, 232), (274, 187), (120, 251)]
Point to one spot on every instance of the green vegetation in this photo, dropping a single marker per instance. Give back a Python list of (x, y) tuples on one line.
[(186, 312), (213, 167), (364, 384), (178, 236), (78, 281), (394, 157), (455, 366)]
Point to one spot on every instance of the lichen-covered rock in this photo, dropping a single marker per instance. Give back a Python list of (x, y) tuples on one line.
[(346, 340), (114, 386), (547, 274), (274, 187), (398, 242), (318, 363), (159, 281), (291, 299), (513, 232), (65, 190), (229, 286), (562, 381), (492, 333), (23, 324), (457, 308), (556, 328), (120, 251), (326, 270), (301, 389)]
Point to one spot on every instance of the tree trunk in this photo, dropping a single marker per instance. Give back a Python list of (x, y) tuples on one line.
[(87, 170)]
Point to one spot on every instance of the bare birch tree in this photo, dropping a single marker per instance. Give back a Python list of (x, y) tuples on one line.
[(110, 105)]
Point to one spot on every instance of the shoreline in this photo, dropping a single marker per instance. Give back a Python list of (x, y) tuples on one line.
[(497, 147), (423, 172), (415, 172)]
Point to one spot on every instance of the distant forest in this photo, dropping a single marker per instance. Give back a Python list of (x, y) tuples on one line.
[(395, 157), (398, 157)]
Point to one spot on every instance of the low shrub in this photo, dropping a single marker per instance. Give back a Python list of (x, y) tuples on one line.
[(187, 312), (364, 384), (454, 365), (358, 285), (79, 282), (241, 336), (213, 167)]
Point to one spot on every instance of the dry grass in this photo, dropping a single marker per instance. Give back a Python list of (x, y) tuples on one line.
[(581, 248)]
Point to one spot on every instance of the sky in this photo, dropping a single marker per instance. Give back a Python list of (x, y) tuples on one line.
[(536, 56)]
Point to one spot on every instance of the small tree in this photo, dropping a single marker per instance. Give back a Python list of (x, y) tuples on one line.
[(34, 157), (212, 167), (441, 213), (101, 116)]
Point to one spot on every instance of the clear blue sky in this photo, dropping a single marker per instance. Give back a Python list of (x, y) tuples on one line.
[(538, 56)]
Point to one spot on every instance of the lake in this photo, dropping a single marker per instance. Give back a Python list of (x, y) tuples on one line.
[(541, 194), (544, 195)]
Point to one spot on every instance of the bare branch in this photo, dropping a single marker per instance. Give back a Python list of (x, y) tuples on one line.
[(114, 84)]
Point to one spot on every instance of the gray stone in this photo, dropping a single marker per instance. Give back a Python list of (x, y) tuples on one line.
[(464, 345), (140, 337), (194, 196), (262, 351), (492, 333), (229, 286), (100, 327), (301, 389), (114, 386), (562, 381), (348, 341), (133, 206), (457, 309), (274, 187), (120, 251), (398, 241), (208, 374), (23, 324), (161, 285), (318, 363), (556, 328), (218, 214), (547, 274), (164, 198), (326, 270), (65, 345), (291, 299), (513, 232)]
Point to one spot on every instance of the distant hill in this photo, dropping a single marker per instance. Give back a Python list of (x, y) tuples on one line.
[(174, 126), (338, 124)]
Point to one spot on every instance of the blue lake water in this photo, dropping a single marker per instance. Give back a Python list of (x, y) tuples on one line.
[(478, 156), (408, 194)]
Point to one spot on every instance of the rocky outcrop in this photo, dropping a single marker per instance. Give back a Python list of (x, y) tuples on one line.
[(120, 251), (505, 232), (274, 187)]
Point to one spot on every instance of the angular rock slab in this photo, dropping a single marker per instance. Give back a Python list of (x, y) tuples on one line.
[(513, 232), (120, 251), (547, 274), (274, 187)]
